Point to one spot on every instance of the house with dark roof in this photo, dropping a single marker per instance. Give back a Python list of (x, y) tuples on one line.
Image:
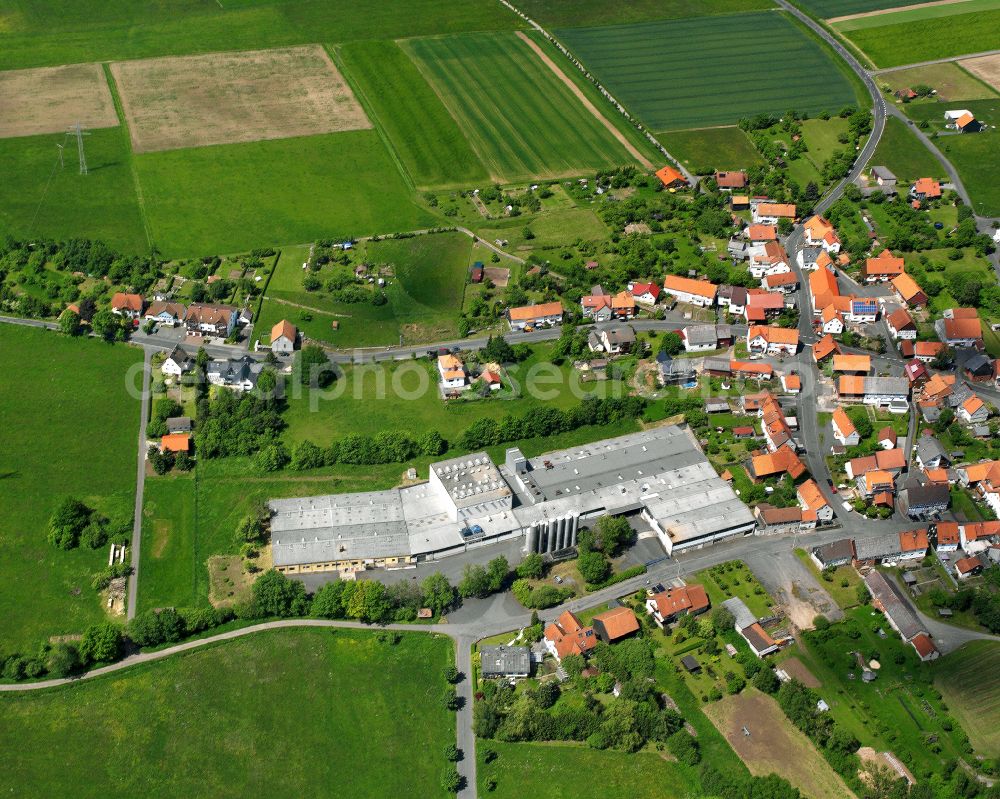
[(836, 553), (504, 662)]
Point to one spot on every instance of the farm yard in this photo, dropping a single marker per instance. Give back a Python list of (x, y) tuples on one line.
[(522, 120), (194, 709), (95, 30), (978, 708), (419, 128), (64, 404), (929, 32), (50, 100), (774, 745), (225, 98), (712, 70)]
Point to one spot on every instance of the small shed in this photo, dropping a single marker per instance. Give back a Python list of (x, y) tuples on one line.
[(689, 663)]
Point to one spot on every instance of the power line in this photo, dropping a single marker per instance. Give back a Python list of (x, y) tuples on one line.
[(77, 130)]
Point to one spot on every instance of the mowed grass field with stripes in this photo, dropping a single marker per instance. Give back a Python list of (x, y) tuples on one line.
[(706, 71), (521, 119), (911, 35), (973, 700)]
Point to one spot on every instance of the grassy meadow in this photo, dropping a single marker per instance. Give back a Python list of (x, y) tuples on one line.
[(280, 708), (923, 34), (975, 158), (903, 153), (707, 71), (39, 198), (564, 13), (424, 296), (234, 197), (977, 709), (426, 138), (706, 150), (520, 118), (825, 9), (104, 30), (69, 429), (948, 79)]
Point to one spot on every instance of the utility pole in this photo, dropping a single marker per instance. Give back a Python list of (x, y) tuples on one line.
[(61, 146), (77, 130)]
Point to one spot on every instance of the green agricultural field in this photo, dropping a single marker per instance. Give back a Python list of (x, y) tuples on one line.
[(102, 30), (280, 708), (977, 709), (904, 154), (234, 197), (424, 296), (431, 147), (69, 427), (518, 115), (826, 9), (975, 158), (923, 34), (704, 151), (575, 13), (39, 198), (546, 770), (707, 71), (948, 79)]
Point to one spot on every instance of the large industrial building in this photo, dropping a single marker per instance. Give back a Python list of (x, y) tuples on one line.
[(660, 474)]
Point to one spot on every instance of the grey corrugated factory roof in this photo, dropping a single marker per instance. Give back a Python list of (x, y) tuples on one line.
[(835, 551), (701, 334), (877, 547), (471, 479), (887, 385)]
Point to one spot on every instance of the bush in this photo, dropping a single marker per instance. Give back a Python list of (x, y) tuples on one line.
[(684, 748), (625, 574)]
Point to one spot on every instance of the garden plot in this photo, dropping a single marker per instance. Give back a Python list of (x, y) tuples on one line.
[(225, 98), (50, 100)]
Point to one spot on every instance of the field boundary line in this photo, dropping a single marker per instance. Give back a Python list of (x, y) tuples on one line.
[(879, 12), (955, 59), (119, 109), (584, 100), (600, 87), (334, 56)]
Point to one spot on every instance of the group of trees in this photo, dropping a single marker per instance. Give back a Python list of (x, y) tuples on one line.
[(625, 723), (482, 581), (236, 424), (550, 421), (387, 446), (100, 643), (609, 537), (73, 523)]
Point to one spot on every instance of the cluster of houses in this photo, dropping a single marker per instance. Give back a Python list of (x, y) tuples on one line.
[(567, 635), (199, 319)]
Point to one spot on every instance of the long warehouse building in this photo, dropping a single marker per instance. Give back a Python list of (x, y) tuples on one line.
[(660, 474)]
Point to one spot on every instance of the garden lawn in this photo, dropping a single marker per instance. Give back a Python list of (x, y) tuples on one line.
[(234, 197), (895, 712), (521, 119), (281, 707), (69, 428), (924, 34), (704, 151), (424, 296), (734, 578), (387, 396), (103, 30), (426, 138), (545, 770), (706, 71), (973, 701), (38, 198), (904, 154)]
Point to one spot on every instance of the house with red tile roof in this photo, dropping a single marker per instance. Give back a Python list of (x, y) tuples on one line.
[(901, 325), (772, 340), (544, 314), (843, 428), (812, 500), (568, 636), (674, 603), (820, 233), (909, 291), (727, 181), (671, 178), (825, 348), (882, 268), (616, 624), (768, 213), (693, 292), (176, 442), (127, 305), (761, 234), (925, 189), (645, 293), (776, 464)]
